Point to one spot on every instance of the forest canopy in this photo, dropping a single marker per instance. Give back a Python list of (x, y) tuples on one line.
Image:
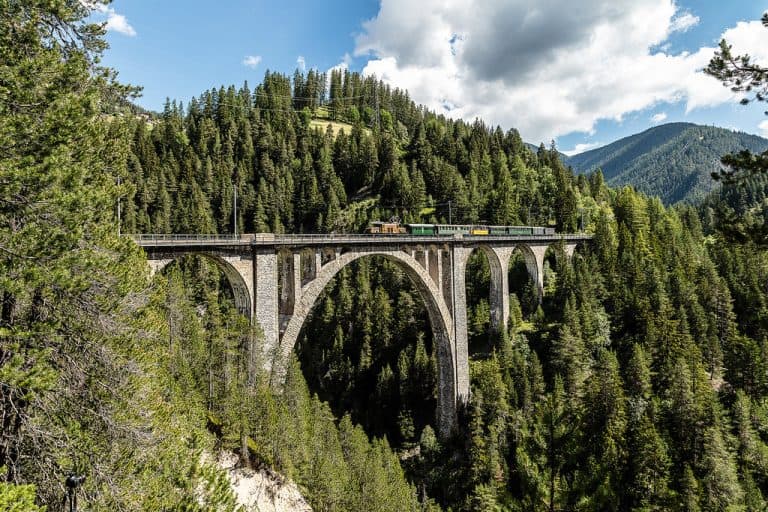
[(639, 383)]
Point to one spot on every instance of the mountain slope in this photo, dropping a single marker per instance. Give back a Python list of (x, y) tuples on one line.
[(672, 161)]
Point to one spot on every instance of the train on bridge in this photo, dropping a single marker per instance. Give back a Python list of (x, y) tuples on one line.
[(393, 227)]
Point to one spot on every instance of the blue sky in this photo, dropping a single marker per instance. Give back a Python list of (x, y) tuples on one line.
[(584, 75), (183, 48)]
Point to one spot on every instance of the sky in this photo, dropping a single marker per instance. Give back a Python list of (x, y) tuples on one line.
[(583, 73)]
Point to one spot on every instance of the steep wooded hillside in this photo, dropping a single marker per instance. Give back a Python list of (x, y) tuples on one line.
[(640, 382), (673, 161)]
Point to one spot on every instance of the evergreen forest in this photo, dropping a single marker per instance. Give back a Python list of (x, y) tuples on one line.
[(673, 161), (640, 382)]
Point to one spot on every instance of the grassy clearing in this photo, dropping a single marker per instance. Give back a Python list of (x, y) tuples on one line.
[(322, 113), (336, 126)]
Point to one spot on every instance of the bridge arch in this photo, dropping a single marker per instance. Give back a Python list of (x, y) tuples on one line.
[(534, 263), (439, 317), (496, 296), (231, 267)]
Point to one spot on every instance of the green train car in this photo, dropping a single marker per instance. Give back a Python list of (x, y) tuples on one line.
[(461, 229), (420, 229)]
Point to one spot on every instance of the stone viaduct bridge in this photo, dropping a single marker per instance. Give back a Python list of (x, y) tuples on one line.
[(276, 280)]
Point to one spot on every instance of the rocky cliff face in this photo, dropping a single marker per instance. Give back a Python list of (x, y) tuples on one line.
[(262, 490)]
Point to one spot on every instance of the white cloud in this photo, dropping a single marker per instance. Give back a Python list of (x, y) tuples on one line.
[(522, 64), (683, 22), (764, 128), (580, 148), (659, 118), (252, 61), (751, 38), (346, 60), (115, 22), (119, 23), (301, 63)]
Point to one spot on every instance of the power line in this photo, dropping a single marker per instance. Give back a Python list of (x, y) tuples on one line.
[(256, 93), (292, 97), (292, 110)]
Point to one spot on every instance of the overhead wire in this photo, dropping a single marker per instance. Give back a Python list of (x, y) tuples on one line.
[(268, 109), (329, 105), (257, 93)]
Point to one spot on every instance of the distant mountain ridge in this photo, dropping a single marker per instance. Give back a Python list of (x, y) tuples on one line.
[(673, 161)]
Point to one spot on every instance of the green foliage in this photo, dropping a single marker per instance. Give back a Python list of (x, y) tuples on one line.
[(672, 161), (296, 176), (101, 374), (69, 291), (742, 165), (18, 498), (739, 72), (639, 383)]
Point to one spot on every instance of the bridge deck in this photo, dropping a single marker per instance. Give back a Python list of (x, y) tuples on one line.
[(269, 240)]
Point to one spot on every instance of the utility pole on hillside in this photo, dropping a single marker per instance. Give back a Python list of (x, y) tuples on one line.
[(234, 213), (118, 205), (376, 99)]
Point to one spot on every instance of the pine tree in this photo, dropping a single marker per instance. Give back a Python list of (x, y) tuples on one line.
[(752, 450), (648, 465), (569, 357), (720, 483), (605, 425), (544, 456), (689, 492), (64, 270)]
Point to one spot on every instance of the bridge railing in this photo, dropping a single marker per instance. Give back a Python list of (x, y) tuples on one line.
[(247, 237), (207, 238), (369, 236), (314, 238), (349, 236)]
